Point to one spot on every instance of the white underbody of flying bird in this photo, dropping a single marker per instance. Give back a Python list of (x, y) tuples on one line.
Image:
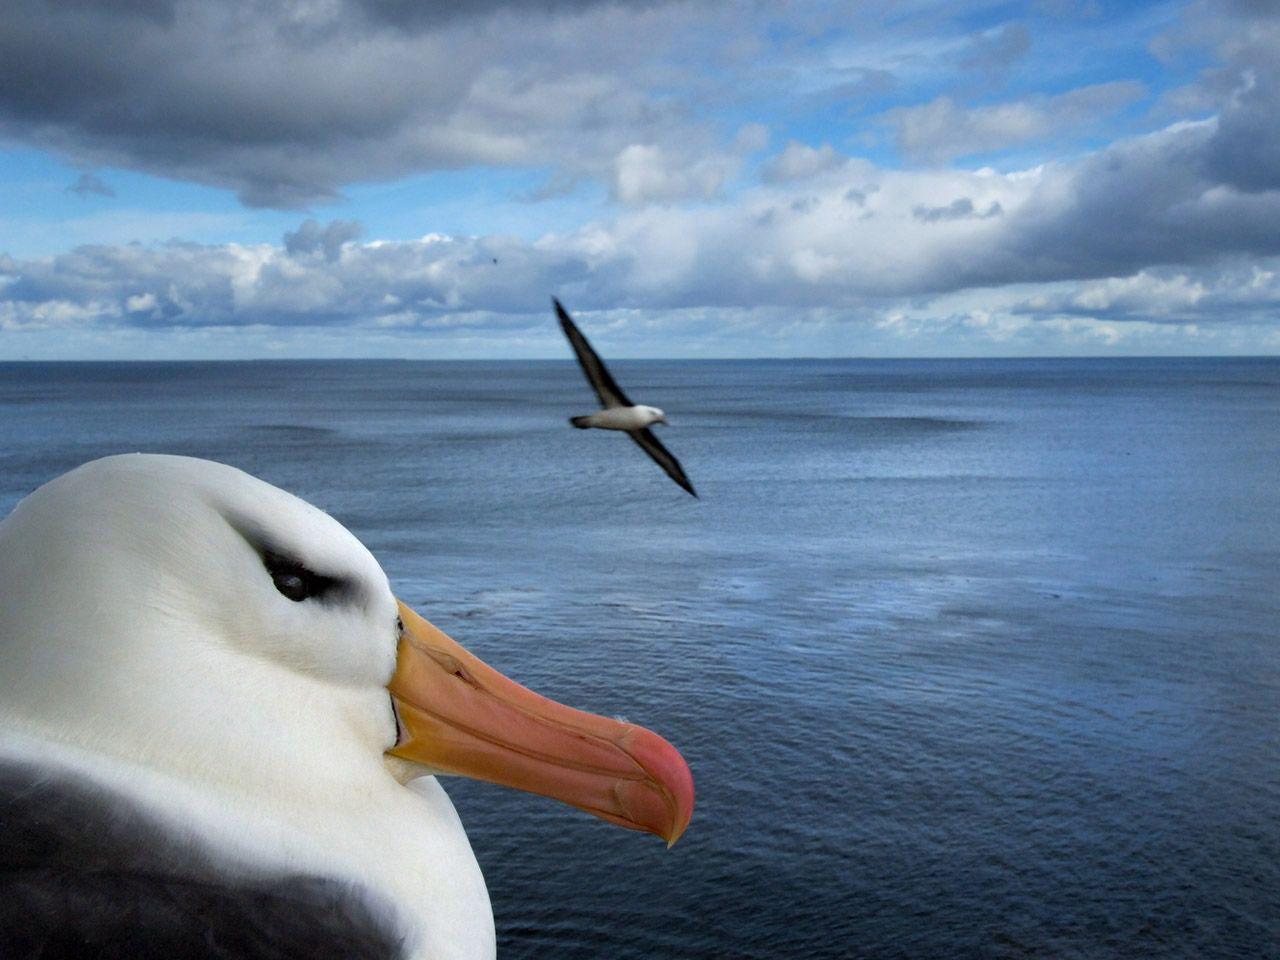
[(617, 411)]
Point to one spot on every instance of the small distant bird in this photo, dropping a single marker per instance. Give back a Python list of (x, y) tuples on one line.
[(618, 412)]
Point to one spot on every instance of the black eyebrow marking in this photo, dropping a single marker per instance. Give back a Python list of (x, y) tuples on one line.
[(279, 562), (313, 584)]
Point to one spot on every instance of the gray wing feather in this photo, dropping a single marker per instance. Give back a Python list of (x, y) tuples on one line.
[(86, 873)]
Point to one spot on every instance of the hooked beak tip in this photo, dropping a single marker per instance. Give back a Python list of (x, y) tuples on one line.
[(457, 715)]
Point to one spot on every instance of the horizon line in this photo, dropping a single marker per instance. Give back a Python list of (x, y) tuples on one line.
[(760, 359)]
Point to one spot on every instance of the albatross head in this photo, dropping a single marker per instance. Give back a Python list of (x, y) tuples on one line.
[(181, 614), (655, 415)]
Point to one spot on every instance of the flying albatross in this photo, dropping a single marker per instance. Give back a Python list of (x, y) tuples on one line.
[(618, 412), (218, 725)]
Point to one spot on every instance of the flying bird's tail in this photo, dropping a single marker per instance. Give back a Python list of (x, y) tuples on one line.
[(580, 422)]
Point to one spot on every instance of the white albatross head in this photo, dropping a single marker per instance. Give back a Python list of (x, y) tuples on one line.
[(181, 615)]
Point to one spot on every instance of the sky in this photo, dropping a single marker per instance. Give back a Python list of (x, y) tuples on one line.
[(393, 178)]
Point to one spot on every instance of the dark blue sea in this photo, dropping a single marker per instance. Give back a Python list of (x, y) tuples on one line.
[(970, 659)]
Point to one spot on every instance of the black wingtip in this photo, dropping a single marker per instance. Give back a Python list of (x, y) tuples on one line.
[(566, 321)]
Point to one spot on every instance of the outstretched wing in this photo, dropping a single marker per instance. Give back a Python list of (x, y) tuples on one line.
[(601, 380), (662, 457)]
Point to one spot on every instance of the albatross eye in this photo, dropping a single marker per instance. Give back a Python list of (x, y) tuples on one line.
[(293, 580), (291, 585)]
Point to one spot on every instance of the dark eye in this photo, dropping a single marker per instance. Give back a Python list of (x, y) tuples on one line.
[(399, 627), (293, 580), (292, 585)]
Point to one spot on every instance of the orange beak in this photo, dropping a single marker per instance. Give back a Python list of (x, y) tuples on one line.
[(458, 715)]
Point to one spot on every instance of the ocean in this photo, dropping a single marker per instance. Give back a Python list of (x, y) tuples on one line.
[(970, 659)]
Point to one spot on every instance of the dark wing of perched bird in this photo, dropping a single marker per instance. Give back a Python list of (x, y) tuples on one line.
[(86, 873), (662, 457), (598, 375)]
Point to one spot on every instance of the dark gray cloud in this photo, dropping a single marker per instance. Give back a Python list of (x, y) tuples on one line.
[(799, 161), (1245, 152), (286, 103), (996, 51), (961, 208), (180, 283), (88, 183), (1149, 202), (1237, 290), (944, 129), (323, 278), (821, 231), (644, 173), (1252, 9), (312, 238), (867, 84), (1242, 87), (157, 11), (1147, 206), (418, 15), (1138, 204)]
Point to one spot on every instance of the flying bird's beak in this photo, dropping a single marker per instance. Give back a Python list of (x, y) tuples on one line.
[(458, 715)]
